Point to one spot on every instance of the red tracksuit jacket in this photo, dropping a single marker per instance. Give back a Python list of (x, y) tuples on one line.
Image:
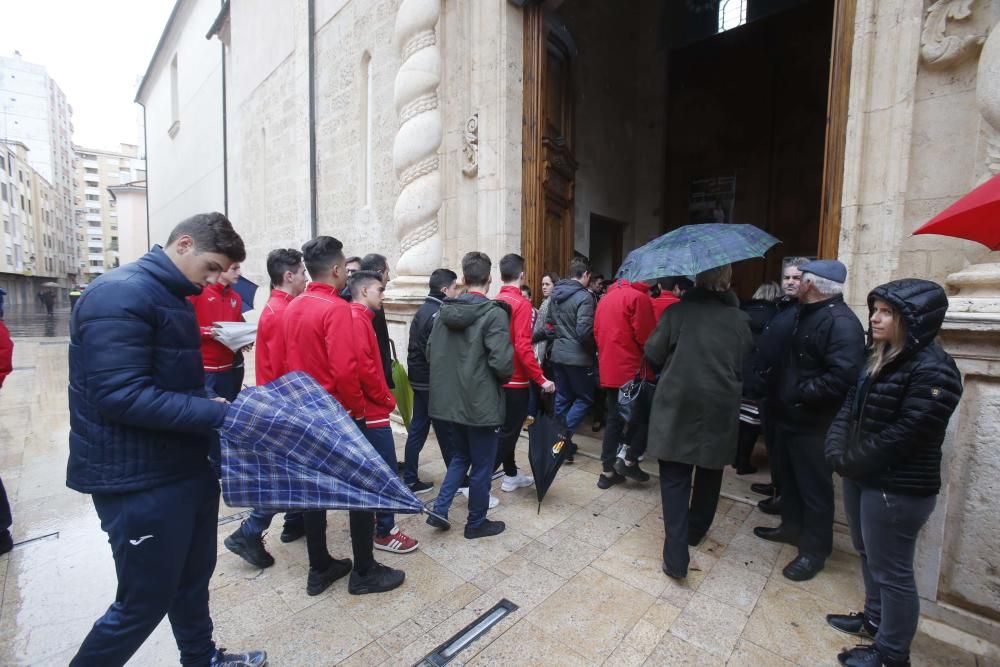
[(319, 340), (622, 323), (6, 353), (379, 401), (216, 304), (662, 302), (526, 366), (270, 347)]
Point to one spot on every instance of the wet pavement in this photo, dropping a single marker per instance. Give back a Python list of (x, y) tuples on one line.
[(31, 321), (584, 572)]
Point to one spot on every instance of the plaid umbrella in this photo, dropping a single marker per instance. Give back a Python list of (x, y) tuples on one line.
[(691, 249), (289, 445), (247, 289)]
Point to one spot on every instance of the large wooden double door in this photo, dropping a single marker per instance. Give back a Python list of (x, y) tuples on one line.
[(548, 164)]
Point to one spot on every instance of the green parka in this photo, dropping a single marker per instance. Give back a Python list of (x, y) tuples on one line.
[(700, 343), (471, 356)]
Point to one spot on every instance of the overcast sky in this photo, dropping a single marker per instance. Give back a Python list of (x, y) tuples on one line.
[(96, 50)]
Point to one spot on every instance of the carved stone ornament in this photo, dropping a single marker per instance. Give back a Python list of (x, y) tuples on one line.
[(470, 149), (938, 50), (988, 98)]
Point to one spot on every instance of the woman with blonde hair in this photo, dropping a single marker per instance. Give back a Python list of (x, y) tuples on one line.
[(886, 444), (700, 345)]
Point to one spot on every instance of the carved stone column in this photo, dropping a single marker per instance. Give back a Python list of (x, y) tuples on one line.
[(415, 149)]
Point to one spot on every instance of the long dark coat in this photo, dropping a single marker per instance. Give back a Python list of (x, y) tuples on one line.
[(700, 343)]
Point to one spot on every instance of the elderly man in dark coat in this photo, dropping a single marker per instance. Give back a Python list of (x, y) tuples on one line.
[(700, 343)]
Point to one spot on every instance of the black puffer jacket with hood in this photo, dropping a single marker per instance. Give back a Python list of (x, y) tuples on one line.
[(471, 356), (888, 433), (570, 324)]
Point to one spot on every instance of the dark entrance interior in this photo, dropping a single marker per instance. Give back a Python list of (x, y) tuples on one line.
[(677, 113)]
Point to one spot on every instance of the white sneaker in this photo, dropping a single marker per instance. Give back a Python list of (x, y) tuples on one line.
[(514, 482), (494, 501)]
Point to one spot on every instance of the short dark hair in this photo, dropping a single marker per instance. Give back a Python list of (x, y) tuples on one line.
[(675, 281), (360, 279), (525, 289), (511, 266), (578, 266), (374, 262), (211, 232), (442, 279), (321, 253), (353, 260), (476, 267), (281, 260), (551, 275)]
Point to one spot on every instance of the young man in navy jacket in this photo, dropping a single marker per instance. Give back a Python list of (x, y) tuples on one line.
[(140, 432)]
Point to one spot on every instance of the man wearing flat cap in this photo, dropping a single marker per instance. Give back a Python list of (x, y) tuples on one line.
[(823, 360)]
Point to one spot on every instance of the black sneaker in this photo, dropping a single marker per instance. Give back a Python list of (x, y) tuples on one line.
[(852, 624), (437, 522), (319, 581), (292, 532), (378, 580), (762, 489), (770, 505), (633, 472), (250, 549), (572, 452), (486, 529), (670, 573), (606, 481), (420, 487), (867, 655), (248, 659), (6, 542)]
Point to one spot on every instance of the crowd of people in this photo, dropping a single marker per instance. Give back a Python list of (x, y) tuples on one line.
[(150, 384)]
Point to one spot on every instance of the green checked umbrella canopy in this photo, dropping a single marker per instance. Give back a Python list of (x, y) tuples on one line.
[(691, 249)]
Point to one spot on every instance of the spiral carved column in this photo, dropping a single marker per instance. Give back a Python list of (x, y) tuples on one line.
[(415, 149)]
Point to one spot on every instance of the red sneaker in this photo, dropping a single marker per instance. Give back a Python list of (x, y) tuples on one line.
[(397, 542)]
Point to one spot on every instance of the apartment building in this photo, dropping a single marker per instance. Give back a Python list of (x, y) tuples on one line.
[(96, 208)]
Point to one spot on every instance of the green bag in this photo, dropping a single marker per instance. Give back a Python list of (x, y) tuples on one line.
[(402, 391)]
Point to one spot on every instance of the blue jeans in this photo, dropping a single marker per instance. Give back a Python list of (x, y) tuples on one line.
[(164, 544), (260, 520), (575, 387), (884, 529), (381, 439), (420, 426), (475, 447)]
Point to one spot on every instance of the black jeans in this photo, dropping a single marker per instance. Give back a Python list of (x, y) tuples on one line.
[(774, 457), (884, 529), (516, 404), (806, 492), (362, 526), (420, 426), (617, 432), (5, 518), (688, 511), (164, 546)]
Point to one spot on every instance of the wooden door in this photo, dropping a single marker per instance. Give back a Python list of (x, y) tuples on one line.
[(548, 164)]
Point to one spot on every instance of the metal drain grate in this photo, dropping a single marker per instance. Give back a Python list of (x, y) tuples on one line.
[(447, 651)]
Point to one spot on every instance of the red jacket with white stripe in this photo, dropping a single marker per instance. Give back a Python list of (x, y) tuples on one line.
[(526, 366), (623, 322), (319, 340), (216, 304), (270, 347), (6, 353), (379, 401)]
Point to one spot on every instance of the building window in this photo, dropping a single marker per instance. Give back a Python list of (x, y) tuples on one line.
[(732, 14), (3, 188), (93, 197), (91, 170), (22, 202)]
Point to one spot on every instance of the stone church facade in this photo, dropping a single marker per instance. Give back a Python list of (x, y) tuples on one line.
[(422, 129)]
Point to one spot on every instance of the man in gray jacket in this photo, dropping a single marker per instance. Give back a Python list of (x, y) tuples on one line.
[(570, 325)]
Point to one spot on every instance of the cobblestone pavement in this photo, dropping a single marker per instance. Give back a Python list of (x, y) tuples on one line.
[(584, 572)]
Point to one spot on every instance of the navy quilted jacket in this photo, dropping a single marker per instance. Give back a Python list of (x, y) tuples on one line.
[(888, 433), (138, 416)]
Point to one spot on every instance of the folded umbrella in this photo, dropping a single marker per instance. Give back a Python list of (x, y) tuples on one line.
[(548, 447), (289, 445), (401, 390), (975, 217), (235, 335), (691, 249)]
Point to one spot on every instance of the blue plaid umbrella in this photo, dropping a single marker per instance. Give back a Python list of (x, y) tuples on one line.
[(289, 445), (247, 289), (691, 249)]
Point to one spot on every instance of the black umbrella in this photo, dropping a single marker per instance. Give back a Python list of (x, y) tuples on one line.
[(247, 289), (548, 447)]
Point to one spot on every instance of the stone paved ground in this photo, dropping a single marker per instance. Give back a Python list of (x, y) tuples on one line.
[(584, 573)]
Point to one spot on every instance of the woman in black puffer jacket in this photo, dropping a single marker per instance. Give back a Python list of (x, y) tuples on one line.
[(886, 444)]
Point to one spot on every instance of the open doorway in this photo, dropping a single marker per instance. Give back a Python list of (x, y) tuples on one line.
[(684, 111)]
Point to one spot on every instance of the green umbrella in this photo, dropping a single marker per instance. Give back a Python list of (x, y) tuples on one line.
[(402, 390), (691, 249)]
